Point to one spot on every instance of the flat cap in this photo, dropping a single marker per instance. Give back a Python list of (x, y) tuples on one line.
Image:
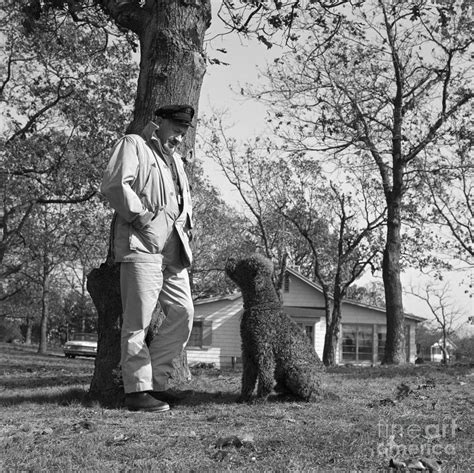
[(178, 113)]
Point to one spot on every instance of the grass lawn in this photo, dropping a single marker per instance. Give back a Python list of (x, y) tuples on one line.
[(382, 413)]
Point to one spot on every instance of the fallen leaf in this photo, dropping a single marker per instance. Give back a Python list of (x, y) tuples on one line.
[(119, 439), (431, 464), (397, 464), (416, 465), (403, 391), (232, 441), (84, 426), (382, 402)]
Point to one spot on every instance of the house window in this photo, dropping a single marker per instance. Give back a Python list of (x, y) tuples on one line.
[(308, 330), (201, 334), (357, 342)]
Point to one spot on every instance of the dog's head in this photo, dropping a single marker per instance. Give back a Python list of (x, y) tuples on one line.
[(249, 271)]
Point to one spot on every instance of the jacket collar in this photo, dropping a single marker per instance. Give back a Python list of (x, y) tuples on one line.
[(149, 131), (148, 134)]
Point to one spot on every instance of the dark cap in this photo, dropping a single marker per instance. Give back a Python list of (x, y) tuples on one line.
[(178, 113)]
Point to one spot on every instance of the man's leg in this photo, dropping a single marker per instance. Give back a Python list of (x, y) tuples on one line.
[(173, 334), (140, 285)]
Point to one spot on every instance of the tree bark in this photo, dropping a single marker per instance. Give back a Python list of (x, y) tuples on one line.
[(331, 338), (395, 343), (103, 285), (172, 67)]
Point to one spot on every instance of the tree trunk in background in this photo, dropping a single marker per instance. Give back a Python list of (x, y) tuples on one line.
[(331, 338), (172, 68), (28, 330), (43, 342)]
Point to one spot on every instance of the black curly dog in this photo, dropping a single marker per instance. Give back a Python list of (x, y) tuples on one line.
[(274, 348)]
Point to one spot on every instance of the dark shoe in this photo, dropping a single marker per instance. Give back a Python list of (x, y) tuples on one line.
[(170, 397), (142, 401)]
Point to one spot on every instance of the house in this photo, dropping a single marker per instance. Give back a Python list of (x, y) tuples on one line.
[(436, 351), (216, 331)]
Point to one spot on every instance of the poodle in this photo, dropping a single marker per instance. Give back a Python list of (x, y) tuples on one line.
[(274, 348)]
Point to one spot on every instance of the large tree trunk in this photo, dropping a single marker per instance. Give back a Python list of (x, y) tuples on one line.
[(172, 67), (103, 285), (395, 344)]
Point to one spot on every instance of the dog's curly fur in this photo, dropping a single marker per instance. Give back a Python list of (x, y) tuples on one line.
[(274, 348)]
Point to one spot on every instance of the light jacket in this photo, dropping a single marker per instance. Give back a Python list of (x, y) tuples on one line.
[(133, 184)]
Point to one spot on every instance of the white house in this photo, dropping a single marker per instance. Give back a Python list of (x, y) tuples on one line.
[(436, 350), (216, 332)]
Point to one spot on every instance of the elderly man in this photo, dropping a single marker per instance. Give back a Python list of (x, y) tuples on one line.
[(146, 185)]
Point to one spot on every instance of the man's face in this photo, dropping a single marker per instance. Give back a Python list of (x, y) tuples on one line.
[(170, 133)]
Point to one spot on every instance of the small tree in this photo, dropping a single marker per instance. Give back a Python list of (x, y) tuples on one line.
[(447, 315)]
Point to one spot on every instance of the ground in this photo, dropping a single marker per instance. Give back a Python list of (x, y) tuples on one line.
[(384, 413)]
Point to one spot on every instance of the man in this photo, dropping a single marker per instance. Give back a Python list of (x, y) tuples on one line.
[(146, 185)]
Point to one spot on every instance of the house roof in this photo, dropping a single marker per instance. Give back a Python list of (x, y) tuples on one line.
[(312, 284), (228, 297), (347, 301)]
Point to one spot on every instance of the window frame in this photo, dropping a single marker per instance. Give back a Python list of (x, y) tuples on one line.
[(204, 335)]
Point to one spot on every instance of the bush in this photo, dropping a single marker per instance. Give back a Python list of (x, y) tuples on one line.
[(9, 331)]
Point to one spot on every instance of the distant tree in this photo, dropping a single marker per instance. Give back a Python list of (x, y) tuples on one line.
[(342, 233), (426, 334), (79, 315), (44, 237), (371, 294), (219, 232), (21, 307), (381, 91), (446, 313), (249, 171), (9, 331), (464, 349)]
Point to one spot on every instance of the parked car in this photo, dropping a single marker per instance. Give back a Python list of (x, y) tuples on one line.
[(81, 344)]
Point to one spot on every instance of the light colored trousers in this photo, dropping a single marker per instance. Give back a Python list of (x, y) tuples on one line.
[(142, 285)]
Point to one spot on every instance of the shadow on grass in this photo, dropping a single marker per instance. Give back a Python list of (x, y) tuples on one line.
[(44, 382), (81, 397), (73, 396)]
